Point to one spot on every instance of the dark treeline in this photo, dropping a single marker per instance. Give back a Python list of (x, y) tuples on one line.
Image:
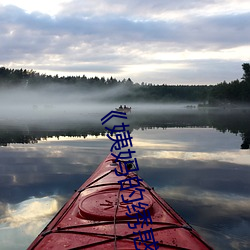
[(237, 91)]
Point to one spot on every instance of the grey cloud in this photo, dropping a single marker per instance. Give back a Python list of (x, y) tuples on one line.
[(220, 31), (109, 41), (217, 31), (135, 8)]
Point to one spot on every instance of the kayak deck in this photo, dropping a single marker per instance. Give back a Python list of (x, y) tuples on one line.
[(96, 217)]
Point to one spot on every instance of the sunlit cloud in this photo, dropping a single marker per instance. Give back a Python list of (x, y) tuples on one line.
[(46, 6), (224, 54)]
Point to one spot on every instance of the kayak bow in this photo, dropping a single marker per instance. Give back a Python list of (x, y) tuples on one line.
[(97, 218)]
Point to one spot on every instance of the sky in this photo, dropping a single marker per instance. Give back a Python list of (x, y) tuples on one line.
[(153, 41)]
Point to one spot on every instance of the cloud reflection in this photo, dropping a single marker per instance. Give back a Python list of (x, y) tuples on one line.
[(223, 156), (29, 212), (198, 171), (228, 203), (226, 216), (190, 144), (22, 222)]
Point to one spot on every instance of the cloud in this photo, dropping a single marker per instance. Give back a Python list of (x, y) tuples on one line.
[(148, 9), (114, 30), (95, 38)]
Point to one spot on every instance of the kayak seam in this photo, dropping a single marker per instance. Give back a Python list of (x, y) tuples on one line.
[(116, 210)]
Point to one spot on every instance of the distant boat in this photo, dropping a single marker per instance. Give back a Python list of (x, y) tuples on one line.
[(190, 106), (124, 109)]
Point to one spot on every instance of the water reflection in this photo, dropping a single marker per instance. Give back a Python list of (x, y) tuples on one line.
[(20, 222), (233, 121), (193, 161), (29, 210), (204, 177)]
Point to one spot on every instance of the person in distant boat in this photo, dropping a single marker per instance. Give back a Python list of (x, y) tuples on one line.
[(120, 107), (125, 106)]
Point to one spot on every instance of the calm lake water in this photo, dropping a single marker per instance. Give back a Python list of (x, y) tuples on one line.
[(197, 160)]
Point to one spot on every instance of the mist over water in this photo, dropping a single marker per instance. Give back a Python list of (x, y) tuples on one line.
[(191, 156), (60, 102), (55, 102), (61, 107)]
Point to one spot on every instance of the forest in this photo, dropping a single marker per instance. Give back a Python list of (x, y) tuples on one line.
[(224, 93)]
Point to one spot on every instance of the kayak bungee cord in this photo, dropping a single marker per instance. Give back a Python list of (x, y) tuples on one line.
[(116, 237), (169, 225), (70, 224)]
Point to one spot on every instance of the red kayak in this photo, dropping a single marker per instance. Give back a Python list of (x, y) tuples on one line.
[(100, 216)]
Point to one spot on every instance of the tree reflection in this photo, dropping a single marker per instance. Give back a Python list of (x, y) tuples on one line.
[(231, 121), (246, 141)]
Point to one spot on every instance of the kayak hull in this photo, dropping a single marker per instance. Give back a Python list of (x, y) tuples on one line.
[(96, 217)]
